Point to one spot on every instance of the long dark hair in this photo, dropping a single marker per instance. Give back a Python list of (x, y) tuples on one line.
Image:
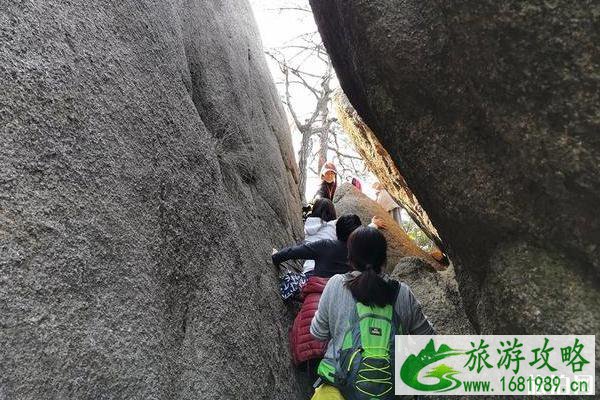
[(367, 252), (323, 208)]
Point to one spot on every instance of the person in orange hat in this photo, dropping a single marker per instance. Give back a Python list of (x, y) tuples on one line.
[(328, 182)]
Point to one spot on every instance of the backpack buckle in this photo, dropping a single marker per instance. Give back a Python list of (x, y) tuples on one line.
[(318, 383)]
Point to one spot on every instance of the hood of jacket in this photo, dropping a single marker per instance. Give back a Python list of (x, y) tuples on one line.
[(312, 225)]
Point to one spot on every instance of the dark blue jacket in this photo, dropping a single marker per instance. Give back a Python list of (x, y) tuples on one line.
[(331, 256)]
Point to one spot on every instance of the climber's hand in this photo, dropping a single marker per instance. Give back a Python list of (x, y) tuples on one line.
[(273, 252), (378, 222)]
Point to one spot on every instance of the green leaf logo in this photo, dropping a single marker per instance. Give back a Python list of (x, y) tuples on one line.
[(409, 373)]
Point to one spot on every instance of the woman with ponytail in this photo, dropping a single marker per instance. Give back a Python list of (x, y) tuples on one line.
[(365, 283), (367, 252)]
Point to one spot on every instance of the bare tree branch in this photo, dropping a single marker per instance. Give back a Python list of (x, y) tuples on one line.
[(340, 154), (290, 9), (307, 85), (288, 98), (301, 36)]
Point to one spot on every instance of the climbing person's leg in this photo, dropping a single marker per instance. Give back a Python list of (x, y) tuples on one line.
[(327, 392)]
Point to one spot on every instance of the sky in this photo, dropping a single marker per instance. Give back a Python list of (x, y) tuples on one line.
[(278, 28)]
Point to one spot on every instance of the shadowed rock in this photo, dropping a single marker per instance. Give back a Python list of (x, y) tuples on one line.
[(438, 293), (146, 173), (380, 163), (489, 110)]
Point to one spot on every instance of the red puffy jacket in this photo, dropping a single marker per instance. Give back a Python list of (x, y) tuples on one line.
[(303, 345)]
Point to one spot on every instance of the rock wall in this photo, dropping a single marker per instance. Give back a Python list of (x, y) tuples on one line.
[(146, 172), (490, 111), (438, 293), (349, 200)]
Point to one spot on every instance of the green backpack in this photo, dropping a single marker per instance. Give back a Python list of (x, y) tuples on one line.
[(365, 363)]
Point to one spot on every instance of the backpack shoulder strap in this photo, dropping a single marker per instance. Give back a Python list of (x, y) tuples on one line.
[(396, 317), (396, 286)]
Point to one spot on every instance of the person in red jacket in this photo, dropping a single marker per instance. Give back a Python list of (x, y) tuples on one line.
[(305, 349), (331, 257)]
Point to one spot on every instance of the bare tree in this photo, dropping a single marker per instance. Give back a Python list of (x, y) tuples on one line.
[(307, 84), (299, 70)]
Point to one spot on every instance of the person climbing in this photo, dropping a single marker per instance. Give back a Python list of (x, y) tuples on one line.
[(321, 224), (330, 257), (356, 183), (332, 253), (307, 351), (385, 200), (328, 182), (346, 304)]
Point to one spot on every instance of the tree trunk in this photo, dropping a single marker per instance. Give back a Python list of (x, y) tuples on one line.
[(323, 147), (305, 148)]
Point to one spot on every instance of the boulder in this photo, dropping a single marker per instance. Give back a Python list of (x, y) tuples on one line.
[(146, 172), (349, 200), (438, 293), (489, 109)]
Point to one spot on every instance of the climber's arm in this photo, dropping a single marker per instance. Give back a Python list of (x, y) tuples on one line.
[(300, 252)]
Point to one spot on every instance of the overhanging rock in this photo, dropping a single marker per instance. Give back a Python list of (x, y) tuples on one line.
[(491, 110), (380, 163)]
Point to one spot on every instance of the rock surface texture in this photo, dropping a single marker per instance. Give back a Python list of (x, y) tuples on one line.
[(146, 171), (438, 293), (490, 111), (349, 200)]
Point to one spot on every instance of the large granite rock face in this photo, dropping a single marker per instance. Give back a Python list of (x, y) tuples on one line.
[(490, 111), (146, 172), (349, 200)]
